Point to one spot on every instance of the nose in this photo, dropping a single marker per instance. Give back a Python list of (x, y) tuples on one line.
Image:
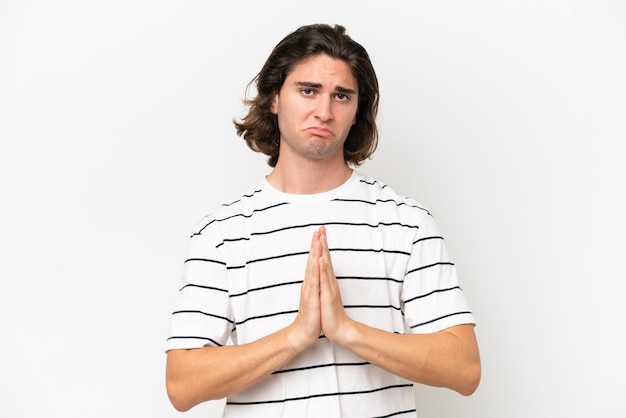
[(323, 109)]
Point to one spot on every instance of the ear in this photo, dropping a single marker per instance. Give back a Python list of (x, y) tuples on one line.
[(274, 107)]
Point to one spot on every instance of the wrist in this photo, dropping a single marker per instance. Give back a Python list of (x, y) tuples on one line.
[(298, 339), (347, 334)]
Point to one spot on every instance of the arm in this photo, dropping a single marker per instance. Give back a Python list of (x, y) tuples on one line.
[(448, 358), (201, 374)]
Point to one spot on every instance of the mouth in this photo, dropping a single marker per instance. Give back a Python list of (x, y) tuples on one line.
[(319, 131)]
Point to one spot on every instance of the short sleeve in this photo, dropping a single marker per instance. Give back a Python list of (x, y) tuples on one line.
[(432, 297), (202, 314)]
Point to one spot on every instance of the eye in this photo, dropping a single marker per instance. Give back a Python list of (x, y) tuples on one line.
[(307, 92), (342, 97)]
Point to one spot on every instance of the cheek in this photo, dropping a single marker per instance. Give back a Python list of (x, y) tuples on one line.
[(350, 116)]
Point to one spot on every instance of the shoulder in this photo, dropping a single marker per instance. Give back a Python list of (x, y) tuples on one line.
[(239, 207), (379, 192)]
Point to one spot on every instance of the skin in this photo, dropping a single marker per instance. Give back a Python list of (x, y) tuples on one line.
[(316, 107)]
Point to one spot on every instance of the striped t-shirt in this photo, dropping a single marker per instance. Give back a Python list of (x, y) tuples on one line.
[(242, 278)]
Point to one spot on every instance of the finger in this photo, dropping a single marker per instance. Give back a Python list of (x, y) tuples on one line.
[(328, 281), (313, 251), (308, 317), (312, 268), (327, 265)]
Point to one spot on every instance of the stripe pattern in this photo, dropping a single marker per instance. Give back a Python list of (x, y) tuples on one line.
[(242, 277)]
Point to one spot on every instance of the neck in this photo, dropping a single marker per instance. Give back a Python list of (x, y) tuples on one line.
[(308, 177)]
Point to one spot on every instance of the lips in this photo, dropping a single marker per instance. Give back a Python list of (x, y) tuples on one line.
[(319, 131)]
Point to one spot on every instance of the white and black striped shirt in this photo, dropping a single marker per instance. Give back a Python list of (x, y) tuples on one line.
[(242, 281)]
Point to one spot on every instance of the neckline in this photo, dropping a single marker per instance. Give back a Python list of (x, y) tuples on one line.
[(308, 199)]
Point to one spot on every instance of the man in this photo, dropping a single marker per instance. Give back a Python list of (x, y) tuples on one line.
[(321, 292)]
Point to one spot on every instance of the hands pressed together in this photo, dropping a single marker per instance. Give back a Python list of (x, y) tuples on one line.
[(448, 358), (321, 309)]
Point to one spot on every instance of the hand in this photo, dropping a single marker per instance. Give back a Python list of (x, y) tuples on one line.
[(335, 321), (308, 321), (321, 308)]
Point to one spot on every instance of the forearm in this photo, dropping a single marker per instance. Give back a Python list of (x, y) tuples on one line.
[(197, 375), (448, 358)]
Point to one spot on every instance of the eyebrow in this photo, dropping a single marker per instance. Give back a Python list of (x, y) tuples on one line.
[(318, 85)]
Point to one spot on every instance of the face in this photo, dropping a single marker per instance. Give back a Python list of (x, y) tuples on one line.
[(316, 107)]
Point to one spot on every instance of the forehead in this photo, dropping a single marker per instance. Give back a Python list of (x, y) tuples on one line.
[(324, 70)]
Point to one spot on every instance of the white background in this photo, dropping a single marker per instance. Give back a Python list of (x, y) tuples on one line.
[(507, 119)]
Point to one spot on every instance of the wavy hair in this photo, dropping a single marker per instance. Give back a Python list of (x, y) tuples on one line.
[(259, 127)]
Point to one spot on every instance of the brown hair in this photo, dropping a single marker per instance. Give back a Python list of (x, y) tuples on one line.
[(259, 128)]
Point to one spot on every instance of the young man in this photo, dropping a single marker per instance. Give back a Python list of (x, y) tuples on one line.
[(321, 292)]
